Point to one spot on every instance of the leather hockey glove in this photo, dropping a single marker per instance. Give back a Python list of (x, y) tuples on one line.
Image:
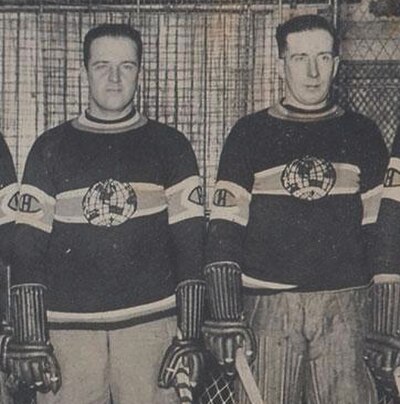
[(27, 355), (183, 362), (227, 329), (383, 343)]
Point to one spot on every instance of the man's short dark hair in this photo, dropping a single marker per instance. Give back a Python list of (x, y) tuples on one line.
[(302, 23), (113, 30)]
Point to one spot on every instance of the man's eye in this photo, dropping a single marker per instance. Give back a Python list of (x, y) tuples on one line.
[(299, 58), (325, 58), (100, 66), (128, 66)]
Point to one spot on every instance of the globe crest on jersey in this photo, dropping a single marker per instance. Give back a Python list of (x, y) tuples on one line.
[(309, 178), (109, 203)]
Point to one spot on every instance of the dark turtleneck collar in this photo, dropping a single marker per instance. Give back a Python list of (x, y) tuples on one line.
[(291, 113), (89, 123), (125, 118), (298, 110)]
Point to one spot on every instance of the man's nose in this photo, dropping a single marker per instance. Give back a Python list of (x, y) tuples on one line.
[(114, 74), (313, 70)]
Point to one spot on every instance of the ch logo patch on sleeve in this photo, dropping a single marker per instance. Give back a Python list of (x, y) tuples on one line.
[(392, 178), (196, 196), (309, 178), (27, 203), (13, 202), (109, 203), (224, 198)]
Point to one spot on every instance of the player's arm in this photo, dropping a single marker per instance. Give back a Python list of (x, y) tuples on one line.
[(8, 207), (27, 354), (184, 361), (8, 202), (382, 232), (373, 170), (227, 329)]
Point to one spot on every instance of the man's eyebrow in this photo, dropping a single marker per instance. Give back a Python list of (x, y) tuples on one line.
[(109, 61), (306, 54), (100, 61), (298, 54)]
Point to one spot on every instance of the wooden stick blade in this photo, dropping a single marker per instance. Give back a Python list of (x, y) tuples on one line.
[(396, 374), (247, 379)]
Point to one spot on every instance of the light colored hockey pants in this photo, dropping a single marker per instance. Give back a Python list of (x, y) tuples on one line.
[(311, 344), (121, 363)]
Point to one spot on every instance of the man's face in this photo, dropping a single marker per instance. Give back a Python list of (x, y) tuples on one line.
[(113, 69), (308, 68)]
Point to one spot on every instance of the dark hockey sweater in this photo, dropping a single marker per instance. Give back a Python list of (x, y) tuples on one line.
[(110, 220), (8, 201), (388, 246), (296, 198), (8, 208)]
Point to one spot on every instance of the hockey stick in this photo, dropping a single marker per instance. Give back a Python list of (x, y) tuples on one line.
[(5, 297), (396, 375), (246, 377)]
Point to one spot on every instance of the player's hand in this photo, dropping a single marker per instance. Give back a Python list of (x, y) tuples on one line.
[(182, 368), (33, 366), (382, 355), (223, 338)]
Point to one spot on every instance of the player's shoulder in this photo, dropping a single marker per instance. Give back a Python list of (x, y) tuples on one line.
[(365, 137), (251, 120), (50, 138), (362, 130), (361, 122), (396, 144), (3, 143), (166, 135), (249, 128)]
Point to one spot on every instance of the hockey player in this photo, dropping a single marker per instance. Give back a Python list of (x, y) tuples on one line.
[(8, 207), (8, 201), (296, 199), (109, 231), (383, 354)]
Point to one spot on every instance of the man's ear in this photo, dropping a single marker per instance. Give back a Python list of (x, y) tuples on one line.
[(336, 61), (281, 68)]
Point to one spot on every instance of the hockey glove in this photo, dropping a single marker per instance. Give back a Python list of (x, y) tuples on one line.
[(183, 361), (383, 343), (27, 356), (227, 329)]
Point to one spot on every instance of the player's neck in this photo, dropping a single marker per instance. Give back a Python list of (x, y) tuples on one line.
[(106, 121), (295, 107)]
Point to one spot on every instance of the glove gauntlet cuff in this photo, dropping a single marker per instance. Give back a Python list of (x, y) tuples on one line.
[(28, 314), (224, 287), (386, 308), (190, 304)]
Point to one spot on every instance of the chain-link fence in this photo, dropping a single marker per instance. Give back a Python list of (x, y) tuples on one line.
[(369, 78)]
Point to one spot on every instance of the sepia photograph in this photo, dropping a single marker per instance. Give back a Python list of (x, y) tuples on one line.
[(200, 201)]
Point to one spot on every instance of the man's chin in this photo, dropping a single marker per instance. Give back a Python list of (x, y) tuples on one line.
[(116, 107), (314, 102)]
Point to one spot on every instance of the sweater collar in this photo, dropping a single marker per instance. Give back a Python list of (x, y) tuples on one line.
[(88, 123), (290, 113)]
